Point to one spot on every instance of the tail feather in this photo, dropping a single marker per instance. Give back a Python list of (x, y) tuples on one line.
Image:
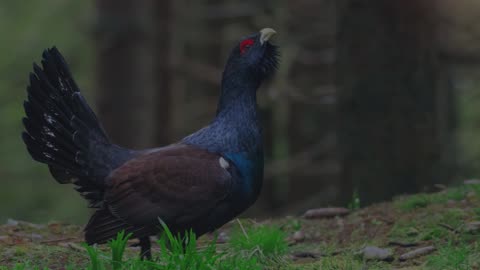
[(103, 226), (62, 131)]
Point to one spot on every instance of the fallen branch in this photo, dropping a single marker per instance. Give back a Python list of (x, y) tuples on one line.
[(448, 227), (58, 240), (73, 246), (417, 253), (326, 212)]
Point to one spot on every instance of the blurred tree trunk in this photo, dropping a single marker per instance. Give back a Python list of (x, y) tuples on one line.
[(311, 120), (395, 104), (125, 96), (163, 96)]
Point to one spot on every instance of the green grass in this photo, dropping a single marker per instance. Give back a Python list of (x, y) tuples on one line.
[(177, 252), (436, 224), (249, 251), (423, 200), (451, 257), (477, 212), (354, 204), (332, 263), (266, 241)]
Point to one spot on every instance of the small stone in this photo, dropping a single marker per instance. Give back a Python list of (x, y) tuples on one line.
[(36, 237), (222, 238), (451, 202), (472, 182), (473, 227), (298, 236), (376, 254), (440, 187), (12, 222), (470, 195), (4, 237), (305, 254)]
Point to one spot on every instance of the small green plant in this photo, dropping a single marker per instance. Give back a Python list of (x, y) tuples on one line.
[(414, 202), (354, 204), (95, 262), (423, 200), (477, 212), (117, 246), (264, 240), (296, 224), (177, 252), (181, 253)]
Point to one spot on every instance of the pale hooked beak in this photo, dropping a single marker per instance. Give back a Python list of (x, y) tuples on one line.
[(266, 34)]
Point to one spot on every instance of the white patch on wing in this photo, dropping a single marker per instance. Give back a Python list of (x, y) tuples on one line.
[(48, 118), (223, 163)]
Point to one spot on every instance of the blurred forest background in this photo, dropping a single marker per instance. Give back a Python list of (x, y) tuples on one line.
[(372, 98)]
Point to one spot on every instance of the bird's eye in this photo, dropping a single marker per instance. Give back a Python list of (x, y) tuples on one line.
[(245, 45)]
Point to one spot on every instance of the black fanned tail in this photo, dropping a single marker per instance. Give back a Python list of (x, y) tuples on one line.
[(63, 132)]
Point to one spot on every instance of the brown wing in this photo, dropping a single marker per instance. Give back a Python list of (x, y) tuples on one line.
[(178, 184)]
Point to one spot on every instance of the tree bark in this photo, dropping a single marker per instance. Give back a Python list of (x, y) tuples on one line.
[(163, 95), (395, 105)]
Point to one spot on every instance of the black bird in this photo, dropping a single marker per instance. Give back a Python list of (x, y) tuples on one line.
[(199, 183)]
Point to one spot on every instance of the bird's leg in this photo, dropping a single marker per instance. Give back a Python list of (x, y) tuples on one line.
[(145, 248)]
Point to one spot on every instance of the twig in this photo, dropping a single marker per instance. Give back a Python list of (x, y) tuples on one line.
[(326, 212), (448, 227), (51, 241), (243, 229), (305, 254), (73, 246)]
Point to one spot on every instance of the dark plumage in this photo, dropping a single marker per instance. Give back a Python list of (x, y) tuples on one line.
[(201, 182)]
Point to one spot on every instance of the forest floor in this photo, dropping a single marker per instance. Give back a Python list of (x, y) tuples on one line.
[(441, 229)]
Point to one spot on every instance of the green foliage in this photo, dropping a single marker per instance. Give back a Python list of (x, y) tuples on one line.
[(28, 27), (95, 263), (346, 262), (239, 263), (423, 200), (477, 212), (263, 240), (354, 204), (291, 224), (117, 246), (181, 252), (434, 225), (414, 202), (451, 257)]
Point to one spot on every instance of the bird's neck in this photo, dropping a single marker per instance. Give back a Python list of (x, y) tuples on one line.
[(238, 96), (236, 127)]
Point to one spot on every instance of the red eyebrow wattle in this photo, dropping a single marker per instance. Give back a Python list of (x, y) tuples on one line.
[(244, 44)]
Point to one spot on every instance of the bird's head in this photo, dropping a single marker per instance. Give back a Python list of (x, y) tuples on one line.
[(254, 55)]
